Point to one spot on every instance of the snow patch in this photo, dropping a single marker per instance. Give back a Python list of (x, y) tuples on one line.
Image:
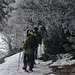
[(63, 59), (3, 46)]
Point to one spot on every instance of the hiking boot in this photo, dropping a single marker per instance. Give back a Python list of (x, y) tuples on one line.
[(33, 66), (25, 69), (30, 70)]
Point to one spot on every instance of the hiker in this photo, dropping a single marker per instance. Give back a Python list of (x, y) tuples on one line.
[(42, 30), (29, 46), (39, 37), (35, 55)]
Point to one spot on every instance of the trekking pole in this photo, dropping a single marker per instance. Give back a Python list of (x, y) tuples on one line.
[(19, 61), (22, 56)]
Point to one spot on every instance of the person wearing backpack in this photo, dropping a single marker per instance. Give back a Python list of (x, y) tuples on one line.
[(29, 47), (39, 37)]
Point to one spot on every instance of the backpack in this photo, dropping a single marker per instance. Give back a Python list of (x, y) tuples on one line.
[(39, 37), (32, 43)]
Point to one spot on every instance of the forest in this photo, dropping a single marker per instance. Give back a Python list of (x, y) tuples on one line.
[(58, 16)]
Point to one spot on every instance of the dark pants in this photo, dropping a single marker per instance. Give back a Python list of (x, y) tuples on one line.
[(28, 59), (35, 53)]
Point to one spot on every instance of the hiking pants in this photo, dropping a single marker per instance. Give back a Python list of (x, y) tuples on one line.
[(28, 59), (35, 53)]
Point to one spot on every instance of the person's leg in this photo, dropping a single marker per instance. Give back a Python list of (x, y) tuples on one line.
[(25, 61), (31, 62), (35, 53)]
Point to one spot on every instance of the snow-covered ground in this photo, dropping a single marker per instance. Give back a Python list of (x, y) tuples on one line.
[(10, 67), (63, 59)]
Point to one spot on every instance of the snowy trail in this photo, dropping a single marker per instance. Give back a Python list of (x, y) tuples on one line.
[(10, 67)]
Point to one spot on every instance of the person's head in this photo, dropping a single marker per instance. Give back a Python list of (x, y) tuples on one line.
[(36, 29), (31, 32), (28, 33)]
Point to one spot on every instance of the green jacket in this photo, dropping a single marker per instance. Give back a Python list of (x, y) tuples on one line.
[(30, 44)]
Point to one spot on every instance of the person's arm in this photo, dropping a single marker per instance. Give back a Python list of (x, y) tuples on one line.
[(24, 45)]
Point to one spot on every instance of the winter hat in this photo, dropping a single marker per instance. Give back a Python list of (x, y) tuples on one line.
[(35, 28), (30, 32)]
